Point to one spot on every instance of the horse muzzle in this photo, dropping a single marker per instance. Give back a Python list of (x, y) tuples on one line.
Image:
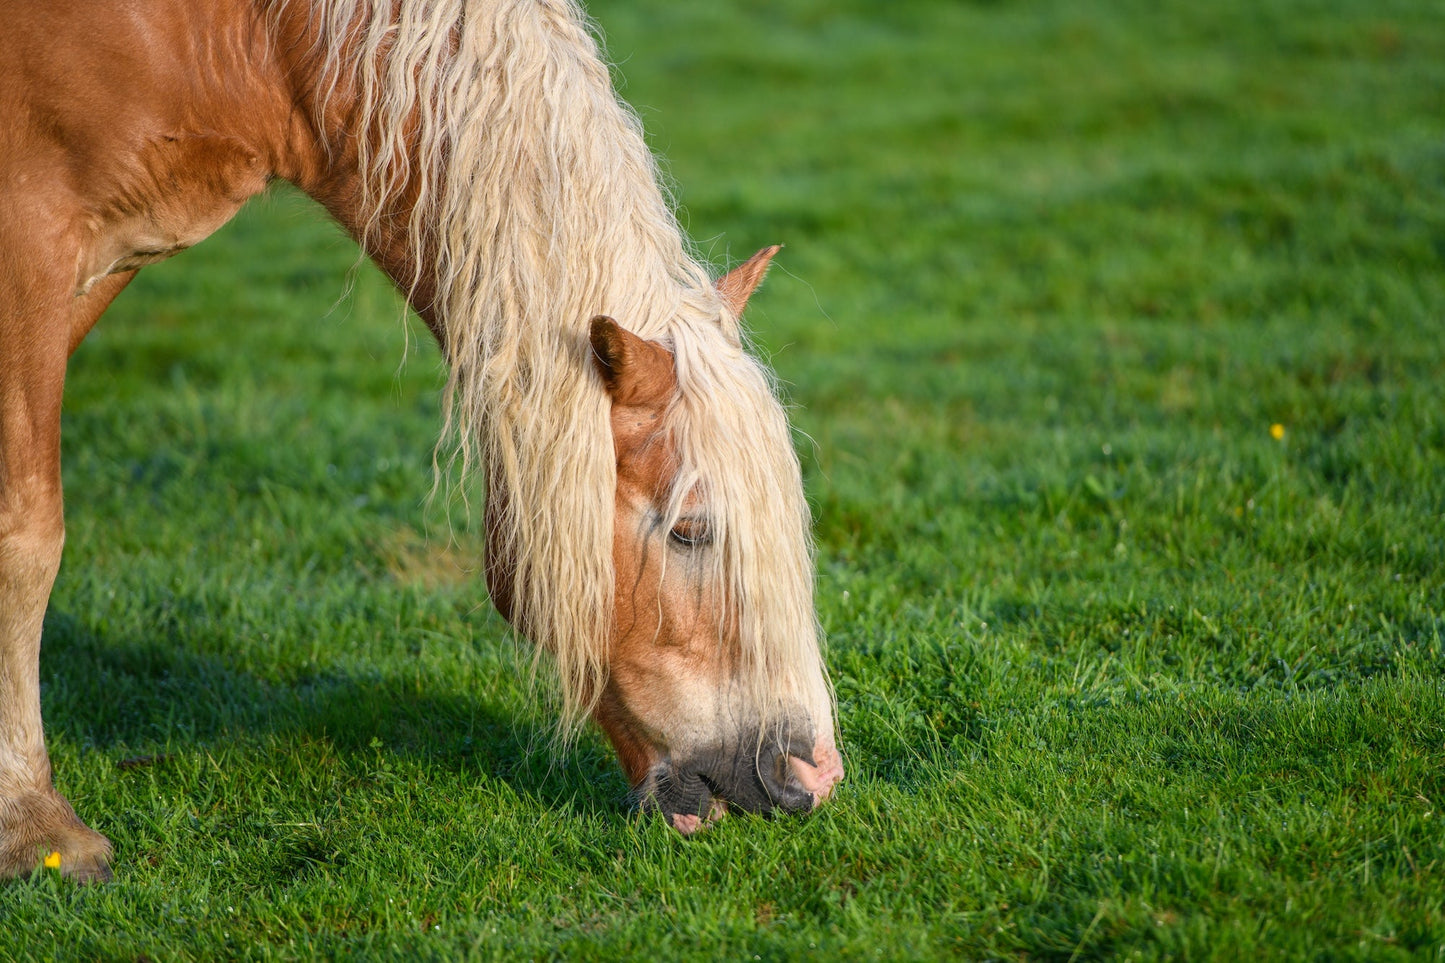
[(701, 788)]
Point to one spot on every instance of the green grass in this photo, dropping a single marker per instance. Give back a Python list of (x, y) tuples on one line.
[(1119, 674)]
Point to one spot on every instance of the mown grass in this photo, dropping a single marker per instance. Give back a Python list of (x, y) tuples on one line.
[(1119, 673)]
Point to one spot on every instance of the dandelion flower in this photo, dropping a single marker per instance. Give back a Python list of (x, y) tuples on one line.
[(1276, 431), (53, 860)]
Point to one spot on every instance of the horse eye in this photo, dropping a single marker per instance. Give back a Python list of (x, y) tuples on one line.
[(690, 533)]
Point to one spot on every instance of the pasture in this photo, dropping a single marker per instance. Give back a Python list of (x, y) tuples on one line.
[(1116, 333)]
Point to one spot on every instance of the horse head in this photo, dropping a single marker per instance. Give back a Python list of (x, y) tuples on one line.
[(678, 704), (714, 693)]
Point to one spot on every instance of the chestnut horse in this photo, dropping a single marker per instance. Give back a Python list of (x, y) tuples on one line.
[(645, 519)]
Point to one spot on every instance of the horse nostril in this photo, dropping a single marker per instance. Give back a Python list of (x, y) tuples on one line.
[(781, 787), (780, 770), (819, 774)]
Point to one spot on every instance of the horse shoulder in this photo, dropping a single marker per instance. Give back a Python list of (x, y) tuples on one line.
[(141, 128)]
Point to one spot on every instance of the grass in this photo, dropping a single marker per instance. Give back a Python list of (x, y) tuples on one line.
[(1119, 673)]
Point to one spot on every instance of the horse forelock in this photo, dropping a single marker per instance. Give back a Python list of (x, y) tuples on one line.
[(540, 206), (734, 441)]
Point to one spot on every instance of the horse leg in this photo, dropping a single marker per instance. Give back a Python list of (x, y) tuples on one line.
[(90, 306), (38, 310)]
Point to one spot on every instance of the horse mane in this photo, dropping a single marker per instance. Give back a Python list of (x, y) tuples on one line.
[(537, 202)]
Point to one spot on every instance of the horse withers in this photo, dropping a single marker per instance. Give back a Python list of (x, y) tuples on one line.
[(645, 519)]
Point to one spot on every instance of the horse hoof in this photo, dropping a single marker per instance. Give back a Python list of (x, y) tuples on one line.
[(85, 860), (41, 833)]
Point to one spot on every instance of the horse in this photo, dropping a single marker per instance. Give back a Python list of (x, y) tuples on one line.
[(645, 521)]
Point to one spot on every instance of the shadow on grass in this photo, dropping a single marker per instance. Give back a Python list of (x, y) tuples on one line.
[(133, 696)]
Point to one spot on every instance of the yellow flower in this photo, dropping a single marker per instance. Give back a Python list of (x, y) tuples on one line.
[(1276, 431), (53, 860)]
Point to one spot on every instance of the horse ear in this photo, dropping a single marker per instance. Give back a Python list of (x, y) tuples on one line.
[(609, 350), (635, 371), (738, 285)]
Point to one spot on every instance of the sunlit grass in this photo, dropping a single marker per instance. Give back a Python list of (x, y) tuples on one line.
[(1117, 334)]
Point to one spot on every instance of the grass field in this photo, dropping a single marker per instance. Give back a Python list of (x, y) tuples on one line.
[(1119, 672)]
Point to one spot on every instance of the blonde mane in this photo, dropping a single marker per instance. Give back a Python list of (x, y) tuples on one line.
[(537, 207)]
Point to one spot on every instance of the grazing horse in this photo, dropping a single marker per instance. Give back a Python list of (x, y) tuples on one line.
[(645, 519)]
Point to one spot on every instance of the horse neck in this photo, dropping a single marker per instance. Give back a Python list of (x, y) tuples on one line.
[(322, 157), (570, 177)]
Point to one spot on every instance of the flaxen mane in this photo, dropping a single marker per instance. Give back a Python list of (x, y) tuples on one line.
[(540, 203)]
